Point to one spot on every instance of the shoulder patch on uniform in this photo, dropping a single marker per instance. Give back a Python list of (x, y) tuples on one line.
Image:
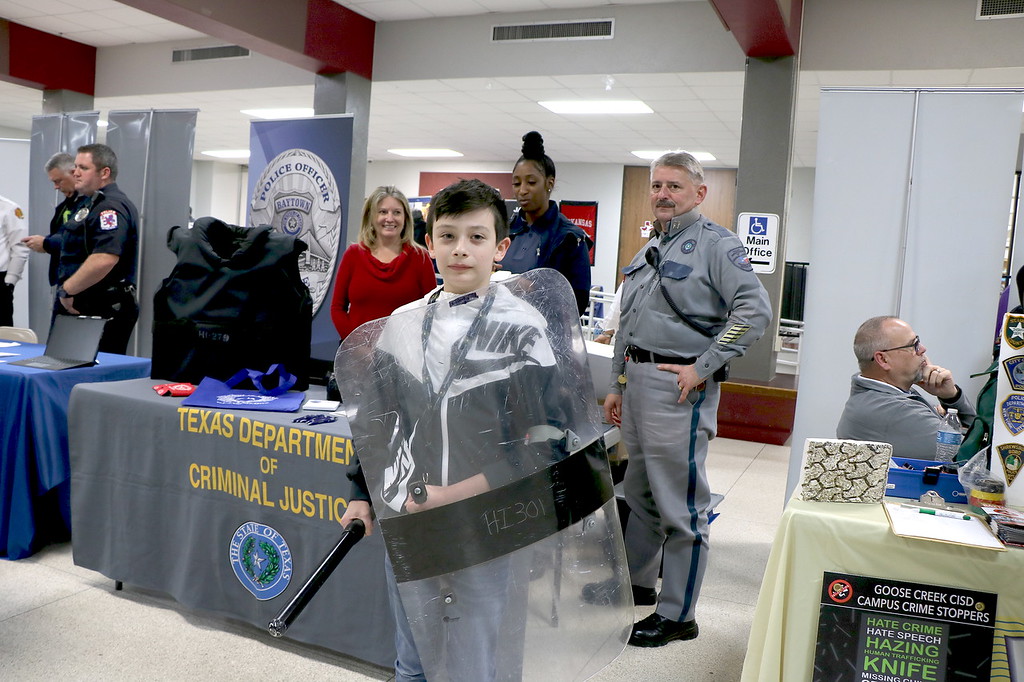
[(108, 220), (733, 334), (18, 213), (738, 256), (719, 230)]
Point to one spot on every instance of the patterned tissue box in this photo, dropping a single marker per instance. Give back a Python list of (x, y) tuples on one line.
[(845, 470)]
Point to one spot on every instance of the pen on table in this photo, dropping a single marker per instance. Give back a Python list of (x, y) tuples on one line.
[(944, 513)]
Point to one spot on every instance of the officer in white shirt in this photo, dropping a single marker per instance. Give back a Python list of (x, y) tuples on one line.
[(13, 255)]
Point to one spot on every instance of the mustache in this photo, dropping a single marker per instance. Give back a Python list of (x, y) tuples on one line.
[(665, 204)]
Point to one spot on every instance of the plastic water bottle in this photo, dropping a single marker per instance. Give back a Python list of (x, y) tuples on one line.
[(947, 440)]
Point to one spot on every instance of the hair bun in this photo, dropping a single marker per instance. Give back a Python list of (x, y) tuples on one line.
[(533, 145)]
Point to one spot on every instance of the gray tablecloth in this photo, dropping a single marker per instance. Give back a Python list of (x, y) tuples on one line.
[(162, 493)]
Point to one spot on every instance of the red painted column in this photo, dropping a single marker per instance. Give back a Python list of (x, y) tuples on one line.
[(317, 35), (763, 28), (45, 61)]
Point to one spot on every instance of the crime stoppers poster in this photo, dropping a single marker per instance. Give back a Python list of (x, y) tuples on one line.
[(875, 630)]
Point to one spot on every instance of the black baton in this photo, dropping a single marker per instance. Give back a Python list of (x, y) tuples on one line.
[(352, 535)]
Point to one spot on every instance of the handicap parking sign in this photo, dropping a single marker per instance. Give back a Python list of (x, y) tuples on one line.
[(758, 225)]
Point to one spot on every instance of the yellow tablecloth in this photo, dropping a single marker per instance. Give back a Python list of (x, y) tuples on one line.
[(814, 537)]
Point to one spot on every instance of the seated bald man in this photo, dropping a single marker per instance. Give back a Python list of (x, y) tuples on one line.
[(884, 404)]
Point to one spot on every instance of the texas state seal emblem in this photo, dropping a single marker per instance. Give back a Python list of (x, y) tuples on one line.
[(261, 560)]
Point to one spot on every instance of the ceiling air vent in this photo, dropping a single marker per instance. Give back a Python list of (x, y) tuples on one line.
[(204, 53), (586, 29), (1000, 9)]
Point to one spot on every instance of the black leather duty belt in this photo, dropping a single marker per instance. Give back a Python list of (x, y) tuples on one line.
[(637, 354)]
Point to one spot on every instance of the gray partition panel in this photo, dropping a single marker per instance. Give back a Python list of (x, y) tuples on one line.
[(52, 133), (154, 151), (911, 205)]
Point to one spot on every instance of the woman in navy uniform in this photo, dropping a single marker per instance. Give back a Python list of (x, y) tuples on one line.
[(541, 236)]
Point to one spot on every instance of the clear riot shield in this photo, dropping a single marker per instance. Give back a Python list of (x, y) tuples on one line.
[(480, 441)]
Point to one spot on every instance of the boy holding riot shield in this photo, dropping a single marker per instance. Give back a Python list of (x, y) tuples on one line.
[(481, 451)]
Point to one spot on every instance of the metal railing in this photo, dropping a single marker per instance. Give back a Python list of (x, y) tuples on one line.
[(791, 334), (597, 312)]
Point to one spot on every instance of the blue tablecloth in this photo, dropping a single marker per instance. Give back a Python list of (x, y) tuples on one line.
[(34, 470)]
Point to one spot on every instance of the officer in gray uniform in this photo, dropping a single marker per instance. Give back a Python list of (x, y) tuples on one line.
[(690, 303)]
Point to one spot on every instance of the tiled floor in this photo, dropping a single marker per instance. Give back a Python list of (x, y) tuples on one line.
[(58, 621)]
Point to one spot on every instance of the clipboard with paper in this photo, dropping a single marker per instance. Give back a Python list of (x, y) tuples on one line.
[(908, 521)]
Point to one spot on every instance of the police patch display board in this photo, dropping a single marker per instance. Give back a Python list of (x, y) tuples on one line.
[(1007, 455), (299, 173), (872, 629)]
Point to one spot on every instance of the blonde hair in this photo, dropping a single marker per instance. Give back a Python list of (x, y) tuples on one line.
[(367, 231)]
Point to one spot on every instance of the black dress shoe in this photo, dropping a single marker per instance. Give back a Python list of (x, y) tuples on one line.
[(656, 630), (607, 592)]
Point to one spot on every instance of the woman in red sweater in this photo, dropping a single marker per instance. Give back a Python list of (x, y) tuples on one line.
[(384, 269)]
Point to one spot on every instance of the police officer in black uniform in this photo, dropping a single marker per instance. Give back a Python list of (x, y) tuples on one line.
[(96, 273), (61, 171)]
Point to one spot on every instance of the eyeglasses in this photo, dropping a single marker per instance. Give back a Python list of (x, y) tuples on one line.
[(915, 344)]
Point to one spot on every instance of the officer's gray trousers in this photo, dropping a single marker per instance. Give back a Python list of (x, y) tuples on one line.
[(666, 484)]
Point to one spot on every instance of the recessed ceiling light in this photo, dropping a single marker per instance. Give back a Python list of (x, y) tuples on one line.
[(228, 153), (424, 153), (293, 112), (601, 106), (651, 155)]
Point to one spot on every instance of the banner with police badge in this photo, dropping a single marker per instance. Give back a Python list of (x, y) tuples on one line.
[(299, 174), (1008, 426)]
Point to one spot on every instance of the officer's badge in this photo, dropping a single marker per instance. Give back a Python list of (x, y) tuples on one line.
[(18, 212), (108, 220), (1011, 455), (689, 245), (1015, 372), (1012, 411), (298, 195), (81, 213), (738, 256), (1013, 331), (261, 560)]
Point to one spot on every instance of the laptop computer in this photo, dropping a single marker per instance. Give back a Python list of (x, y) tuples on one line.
[(73, 342)]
